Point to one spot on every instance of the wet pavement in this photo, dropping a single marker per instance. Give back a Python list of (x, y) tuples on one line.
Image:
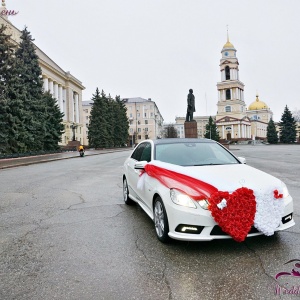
[(29, 160)]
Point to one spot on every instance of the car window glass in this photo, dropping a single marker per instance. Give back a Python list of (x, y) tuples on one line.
[(193, 154), (146, 155), (138, 152)]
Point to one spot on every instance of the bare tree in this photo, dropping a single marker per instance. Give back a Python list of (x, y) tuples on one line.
[(296, 115), (170, 131)]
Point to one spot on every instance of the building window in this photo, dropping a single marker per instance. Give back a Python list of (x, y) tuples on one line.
[(227, 108), (139, 122), (87, 117), (146, 137), (227, 73), (139, 137), (138, 115), (152, 114), (139, 129), (130, 115), (131, 130), (146, 129), (228, 96), (228, 128), (146, 121)]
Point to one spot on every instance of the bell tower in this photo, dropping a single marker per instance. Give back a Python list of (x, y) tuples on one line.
[(231, 117)]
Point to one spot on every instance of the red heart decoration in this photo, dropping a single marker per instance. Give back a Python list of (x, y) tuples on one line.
[(237, 217)]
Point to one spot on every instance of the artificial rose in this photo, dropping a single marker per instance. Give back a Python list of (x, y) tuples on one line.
[(237, 217)]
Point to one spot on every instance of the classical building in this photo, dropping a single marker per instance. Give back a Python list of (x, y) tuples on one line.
[(64, 87), (145, 120)]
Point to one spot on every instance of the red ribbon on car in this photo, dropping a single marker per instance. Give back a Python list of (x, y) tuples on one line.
[(195, 188)]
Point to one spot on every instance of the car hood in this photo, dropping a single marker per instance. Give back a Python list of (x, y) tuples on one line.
[(232, 177), (228, 177)]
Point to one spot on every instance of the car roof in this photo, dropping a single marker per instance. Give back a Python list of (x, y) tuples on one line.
[(180, 141)]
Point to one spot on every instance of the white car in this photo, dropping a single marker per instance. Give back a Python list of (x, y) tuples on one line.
[(197, 190)]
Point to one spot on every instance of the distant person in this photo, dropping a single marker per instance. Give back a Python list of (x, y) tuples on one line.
[(190, 106), (81, 150)]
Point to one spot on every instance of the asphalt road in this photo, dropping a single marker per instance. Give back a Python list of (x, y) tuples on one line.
[(66, 234)]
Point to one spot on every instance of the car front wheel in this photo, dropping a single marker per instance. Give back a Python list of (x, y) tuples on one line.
[(126, 198), (161, 221)]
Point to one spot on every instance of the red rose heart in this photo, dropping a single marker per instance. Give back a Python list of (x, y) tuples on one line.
[(237, 217)]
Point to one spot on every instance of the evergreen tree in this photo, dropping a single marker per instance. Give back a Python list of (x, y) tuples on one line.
[(53, 126), (98, 135), (212, 130), (121, 123), (12, 133), (111, 120), (287, 127), (30, 75), (272, 134)]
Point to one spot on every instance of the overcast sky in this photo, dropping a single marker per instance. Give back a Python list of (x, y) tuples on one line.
[(159, 49)]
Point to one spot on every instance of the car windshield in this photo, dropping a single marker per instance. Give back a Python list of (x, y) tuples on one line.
[(194, 154)]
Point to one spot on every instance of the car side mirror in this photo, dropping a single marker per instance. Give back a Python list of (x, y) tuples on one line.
[(140, 165), (242, 159)]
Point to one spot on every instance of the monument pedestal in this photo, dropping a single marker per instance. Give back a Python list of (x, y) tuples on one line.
[(190, 129)]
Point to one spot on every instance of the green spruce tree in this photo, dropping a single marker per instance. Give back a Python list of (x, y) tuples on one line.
[(13, 133), (272, 134), (121, 122), (30, 75), (52, 125), (98, 134), (211, 130), (287, 127)]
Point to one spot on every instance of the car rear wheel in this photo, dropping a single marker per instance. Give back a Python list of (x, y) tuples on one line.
[(161, 221), (126, 198)]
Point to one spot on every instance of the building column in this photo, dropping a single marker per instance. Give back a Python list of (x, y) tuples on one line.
[(60, 98), (72, 107), (51, 86), (46, 84), (76, 108), (239, 131), (223, 131), (55, 91), (64, 100)]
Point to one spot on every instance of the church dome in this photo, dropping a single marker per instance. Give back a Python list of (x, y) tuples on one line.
[(257, 104), (228, 45)]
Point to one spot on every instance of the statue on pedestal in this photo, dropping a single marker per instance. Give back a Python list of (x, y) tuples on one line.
[(190, 106)]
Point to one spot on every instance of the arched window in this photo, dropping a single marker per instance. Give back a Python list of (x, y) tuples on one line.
[(227, 108), (228, 96), (227, 73)]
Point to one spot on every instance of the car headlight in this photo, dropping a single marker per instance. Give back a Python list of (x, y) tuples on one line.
[(181, 199), (203, 203)]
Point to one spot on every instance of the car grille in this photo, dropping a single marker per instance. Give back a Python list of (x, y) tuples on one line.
[(218, 231)]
